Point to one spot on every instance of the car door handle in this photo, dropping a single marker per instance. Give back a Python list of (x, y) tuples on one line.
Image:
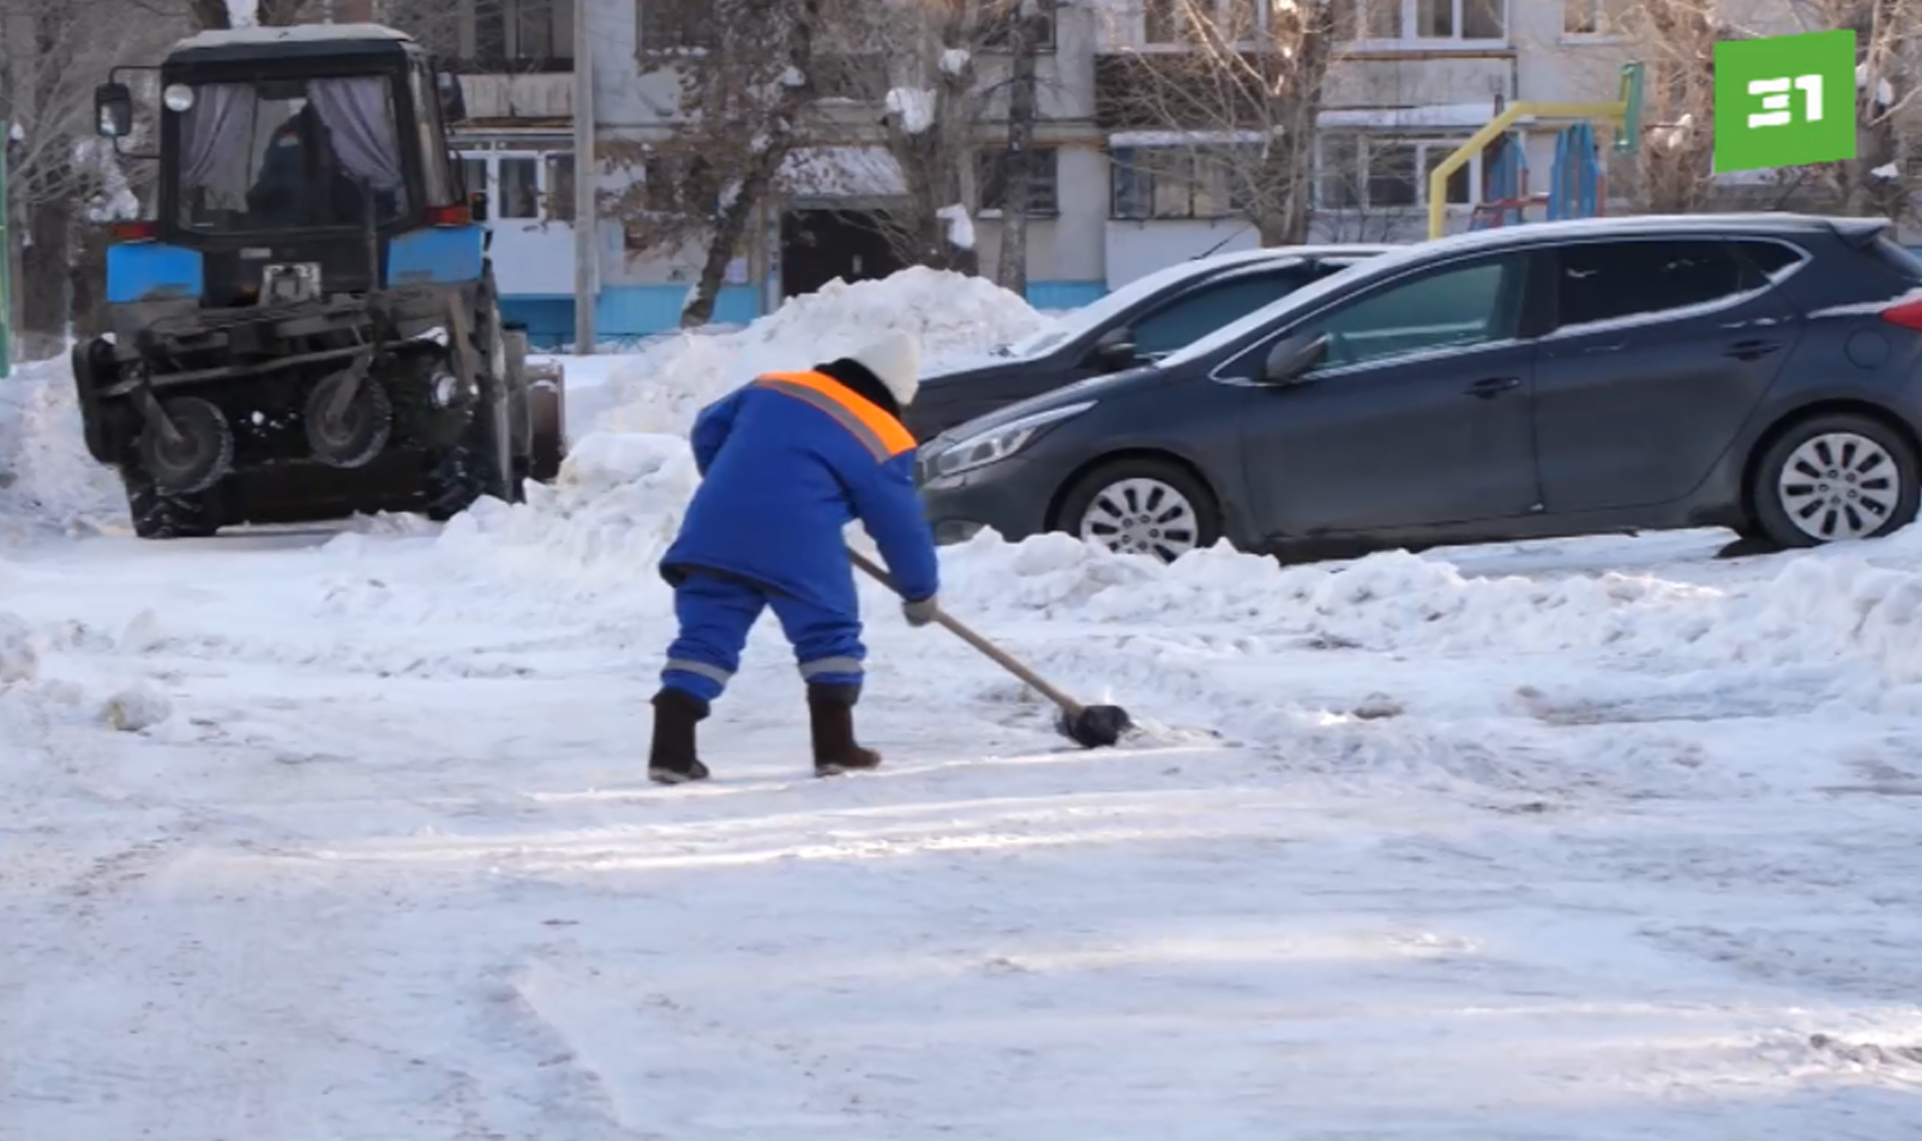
[(1752, 350), (1491, 386)]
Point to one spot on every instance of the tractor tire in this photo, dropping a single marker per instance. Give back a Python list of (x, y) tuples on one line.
[(158, 514), (481, 462)]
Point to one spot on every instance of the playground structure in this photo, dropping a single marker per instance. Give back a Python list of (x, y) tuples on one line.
[(1577, 186)]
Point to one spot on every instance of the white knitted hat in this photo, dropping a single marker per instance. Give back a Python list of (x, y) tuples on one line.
[(895, 360)]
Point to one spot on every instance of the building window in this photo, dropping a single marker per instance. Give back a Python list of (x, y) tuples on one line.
[(1361, 172), (508, 33), (1166, 182), (991, 176), (997, 27), (676, 25), (520, 188), (1424, 21), (560, 188)]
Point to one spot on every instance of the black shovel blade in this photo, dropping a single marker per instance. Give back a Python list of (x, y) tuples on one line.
[(1096, 726)]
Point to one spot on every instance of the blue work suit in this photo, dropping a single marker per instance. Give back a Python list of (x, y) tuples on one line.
[(786, 463)]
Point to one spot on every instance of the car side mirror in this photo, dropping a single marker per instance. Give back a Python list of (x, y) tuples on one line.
[(1293, 358), (113, 110), (477, 205), (1116, 349), (453, 99)]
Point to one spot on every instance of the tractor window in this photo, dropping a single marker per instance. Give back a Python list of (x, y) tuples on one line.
[(289, 154), (436, 182)]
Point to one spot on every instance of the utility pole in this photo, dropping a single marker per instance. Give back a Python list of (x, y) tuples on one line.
[(586, 215), (6, 261)]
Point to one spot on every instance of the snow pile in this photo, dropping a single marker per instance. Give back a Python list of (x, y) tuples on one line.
[(1830, 606), (914, 107), (957, 318), (139, 707), (47, 478)]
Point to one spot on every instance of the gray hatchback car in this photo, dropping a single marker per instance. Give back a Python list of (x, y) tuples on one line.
[(1761, 372)]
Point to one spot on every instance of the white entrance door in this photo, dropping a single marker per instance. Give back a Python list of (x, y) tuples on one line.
[(530, 210)]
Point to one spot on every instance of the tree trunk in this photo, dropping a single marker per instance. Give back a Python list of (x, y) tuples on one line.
[(43, 285), (757, 179), (1011, 273)]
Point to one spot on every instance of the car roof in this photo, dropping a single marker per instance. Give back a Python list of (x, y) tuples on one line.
[(1532, 234)]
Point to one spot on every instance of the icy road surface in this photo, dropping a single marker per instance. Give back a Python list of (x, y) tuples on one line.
[(1567, 856), (342, 837)]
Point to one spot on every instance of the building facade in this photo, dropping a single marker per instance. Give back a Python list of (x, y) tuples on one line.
[(1412, 81)]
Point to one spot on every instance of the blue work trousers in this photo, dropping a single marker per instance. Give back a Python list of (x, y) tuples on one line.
[(715, 615)]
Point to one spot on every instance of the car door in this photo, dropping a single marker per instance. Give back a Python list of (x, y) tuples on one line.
[(1660, 348), (1417, 418)]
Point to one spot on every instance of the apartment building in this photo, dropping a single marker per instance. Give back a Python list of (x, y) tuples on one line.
[(1413, 79)]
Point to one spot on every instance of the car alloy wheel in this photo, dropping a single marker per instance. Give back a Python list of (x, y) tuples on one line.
[(1839, 486), (1141, 516)]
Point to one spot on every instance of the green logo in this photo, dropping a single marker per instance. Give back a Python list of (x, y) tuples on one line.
[(1784, 101)]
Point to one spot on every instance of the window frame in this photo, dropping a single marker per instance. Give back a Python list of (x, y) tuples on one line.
[(1262, 343), (1212, 183), (1407, 18), (513, 17), (985, 161), (1360, 178), (676, 22), (1556, 332)]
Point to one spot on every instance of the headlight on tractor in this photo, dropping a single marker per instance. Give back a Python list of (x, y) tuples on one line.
[(997, 443)]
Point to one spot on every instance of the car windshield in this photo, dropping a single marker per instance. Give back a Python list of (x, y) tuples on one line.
[(1098, 313), (289, 154), (1302, 298)]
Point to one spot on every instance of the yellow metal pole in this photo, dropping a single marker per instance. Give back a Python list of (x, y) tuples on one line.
[(1478, 142)]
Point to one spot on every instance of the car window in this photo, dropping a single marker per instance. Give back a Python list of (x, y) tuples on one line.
[(1207, 309), (1766, 260), (1612, 281), (1468, 304)]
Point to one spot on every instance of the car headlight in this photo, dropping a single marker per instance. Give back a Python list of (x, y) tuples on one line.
[(997, 443)]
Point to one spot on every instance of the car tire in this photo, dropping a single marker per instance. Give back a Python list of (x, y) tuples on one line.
[(1834, 477), (1159, 493)]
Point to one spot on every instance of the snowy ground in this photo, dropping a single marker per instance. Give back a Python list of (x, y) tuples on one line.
[(339, 834)]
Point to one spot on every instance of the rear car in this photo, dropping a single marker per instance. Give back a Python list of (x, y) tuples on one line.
[(1761, 372), (1140, 322)]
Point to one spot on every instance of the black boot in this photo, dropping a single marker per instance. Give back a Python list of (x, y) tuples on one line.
[(672, 759), (831, 720)]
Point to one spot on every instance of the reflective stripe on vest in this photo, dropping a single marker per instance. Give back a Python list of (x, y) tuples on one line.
[(880, 433)]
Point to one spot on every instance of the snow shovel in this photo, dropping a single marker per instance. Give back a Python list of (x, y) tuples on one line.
[(1090, 726)]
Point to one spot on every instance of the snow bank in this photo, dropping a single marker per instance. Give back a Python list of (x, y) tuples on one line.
[(1829, 606), (957, 318), (46, 476)]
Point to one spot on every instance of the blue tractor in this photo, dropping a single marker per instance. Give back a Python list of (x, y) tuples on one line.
[(309, 326)]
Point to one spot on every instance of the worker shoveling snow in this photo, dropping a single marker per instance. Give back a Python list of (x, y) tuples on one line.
[(1584, 841)]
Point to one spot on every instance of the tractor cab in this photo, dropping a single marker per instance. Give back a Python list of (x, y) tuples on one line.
[(308, 325), (317, 146)]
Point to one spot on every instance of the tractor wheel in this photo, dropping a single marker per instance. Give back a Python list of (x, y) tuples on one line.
[(481, 461)]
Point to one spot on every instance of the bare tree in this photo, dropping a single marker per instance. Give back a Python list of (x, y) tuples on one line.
[(1028, 23), (746, 78), (931, 96), (52, 53), (1888, 114), (1242, 98)]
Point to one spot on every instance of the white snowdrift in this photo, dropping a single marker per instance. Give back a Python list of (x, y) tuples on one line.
[(47, 479), (956, 317)]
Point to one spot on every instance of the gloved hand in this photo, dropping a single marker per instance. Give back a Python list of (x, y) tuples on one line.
[(921, 612)]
